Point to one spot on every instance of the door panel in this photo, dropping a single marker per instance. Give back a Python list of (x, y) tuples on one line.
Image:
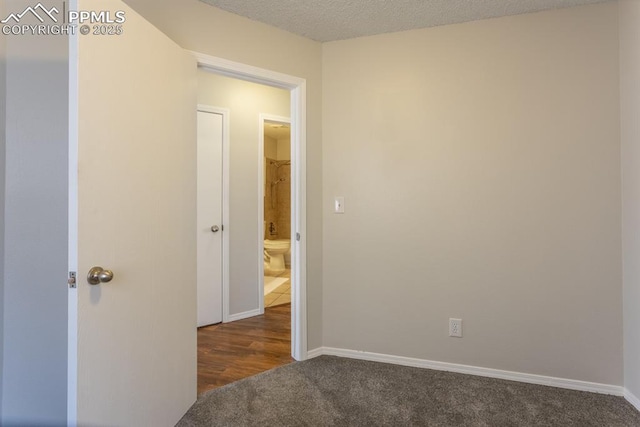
[(136, 216), (209, 214)]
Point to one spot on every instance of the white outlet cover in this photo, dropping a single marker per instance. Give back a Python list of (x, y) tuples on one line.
[(455, 328)]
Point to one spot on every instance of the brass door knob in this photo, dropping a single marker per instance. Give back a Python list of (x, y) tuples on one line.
[(98, 275)]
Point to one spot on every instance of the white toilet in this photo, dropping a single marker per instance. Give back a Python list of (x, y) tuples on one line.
[(274, 251)]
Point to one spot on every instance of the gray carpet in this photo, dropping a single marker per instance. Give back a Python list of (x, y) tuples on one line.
[(333, 391)]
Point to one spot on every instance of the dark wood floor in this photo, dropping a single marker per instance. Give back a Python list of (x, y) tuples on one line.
[(228, 352)]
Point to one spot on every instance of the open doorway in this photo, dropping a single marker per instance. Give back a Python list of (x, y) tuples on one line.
[(244, 314), (276, 250)]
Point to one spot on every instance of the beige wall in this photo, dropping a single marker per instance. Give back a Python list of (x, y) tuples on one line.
[(284, 149), (270, 147), (481, 169), (630, 136), (245, 102), (197, 26)]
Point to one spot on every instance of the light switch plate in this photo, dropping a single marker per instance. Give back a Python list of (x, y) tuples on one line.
[(338, 205)]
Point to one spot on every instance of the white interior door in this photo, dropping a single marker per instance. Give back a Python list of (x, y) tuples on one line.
[(209, 228), (136, 212)]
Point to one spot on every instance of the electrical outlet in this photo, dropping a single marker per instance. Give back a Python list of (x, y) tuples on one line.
[(455, 328)]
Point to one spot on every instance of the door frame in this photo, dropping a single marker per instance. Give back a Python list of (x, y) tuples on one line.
[(224, 112), (263, 117), (298, 90)]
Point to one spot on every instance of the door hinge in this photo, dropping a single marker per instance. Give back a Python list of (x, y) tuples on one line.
[(298, 237), (72, 279)]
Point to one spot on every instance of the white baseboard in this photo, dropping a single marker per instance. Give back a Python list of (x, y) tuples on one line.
[(243, 315), (315, 352), (475, 370), (631, 398)]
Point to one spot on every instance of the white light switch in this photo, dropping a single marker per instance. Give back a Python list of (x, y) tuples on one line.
[(338, 205)]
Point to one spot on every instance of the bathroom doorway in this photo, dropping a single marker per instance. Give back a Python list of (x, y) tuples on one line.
[(276, 219)]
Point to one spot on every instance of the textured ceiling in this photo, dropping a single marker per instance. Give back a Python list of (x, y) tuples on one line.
[(327, 20)]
